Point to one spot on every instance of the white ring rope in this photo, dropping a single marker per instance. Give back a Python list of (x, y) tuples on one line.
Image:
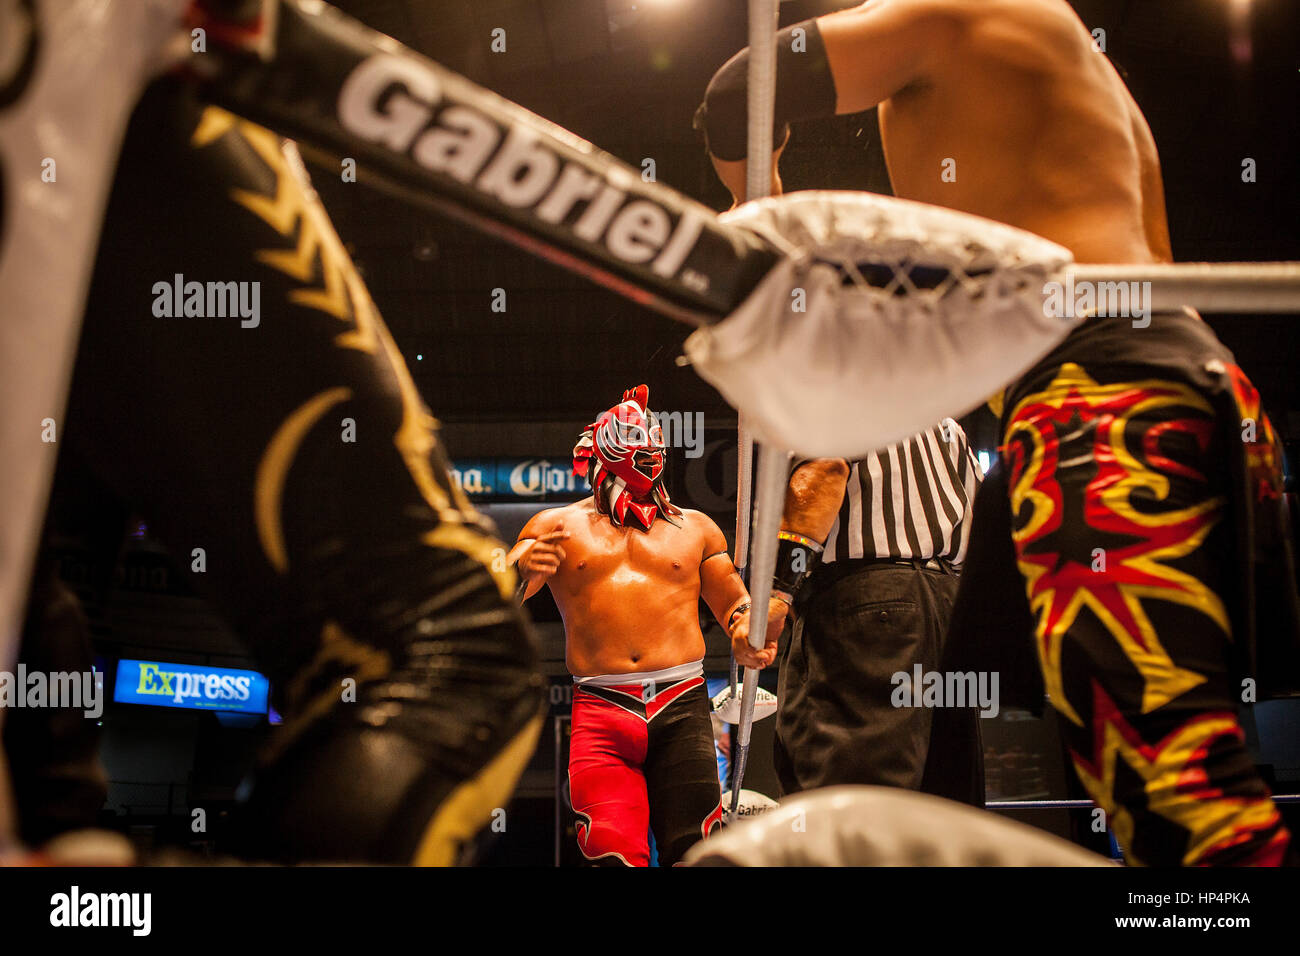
[(1243, 287), (763, 21)]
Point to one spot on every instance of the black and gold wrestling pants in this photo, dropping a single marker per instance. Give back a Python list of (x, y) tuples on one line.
[(236, 386), (1119, 448)]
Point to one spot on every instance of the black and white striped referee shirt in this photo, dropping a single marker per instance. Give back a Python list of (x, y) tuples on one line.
[(911, 500)]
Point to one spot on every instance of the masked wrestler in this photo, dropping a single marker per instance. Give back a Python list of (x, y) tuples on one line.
[(1141, 474), (627, 569)]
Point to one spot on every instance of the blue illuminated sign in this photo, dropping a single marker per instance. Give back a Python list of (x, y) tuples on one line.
[(520, 479), (190, 686)]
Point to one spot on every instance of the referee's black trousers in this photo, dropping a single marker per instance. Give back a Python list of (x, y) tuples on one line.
[(856, 625)]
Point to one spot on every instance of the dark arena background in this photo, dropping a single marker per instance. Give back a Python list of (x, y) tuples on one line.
[(515, 356)]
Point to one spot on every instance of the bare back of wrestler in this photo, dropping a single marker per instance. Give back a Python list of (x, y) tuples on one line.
[(1005, 109), (629, 597)]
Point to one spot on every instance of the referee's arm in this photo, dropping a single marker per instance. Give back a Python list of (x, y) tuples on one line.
[(813, 497), (812, 503)]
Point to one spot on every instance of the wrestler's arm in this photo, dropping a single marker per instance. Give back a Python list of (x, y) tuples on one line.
[(880, 48), (724, 591), (1155, 219), (721, 586), (844, 62), (537, 552)]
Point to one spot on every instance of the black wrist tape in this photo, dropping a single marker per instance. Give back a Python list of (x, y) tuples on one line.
[(805, 89), (796, 556)]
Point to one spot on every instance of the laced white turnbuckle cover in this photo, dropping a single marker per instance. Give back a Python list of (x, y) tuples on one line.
[(726, 705), (885, 316), (883, 826)]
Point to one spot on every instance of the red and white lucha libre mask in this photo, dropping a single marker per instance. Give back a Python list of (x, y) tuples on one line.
[(621, 454)]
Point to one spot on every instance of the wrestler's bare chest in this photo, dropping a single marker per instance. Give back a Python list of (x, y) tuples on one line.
[(600, 554)]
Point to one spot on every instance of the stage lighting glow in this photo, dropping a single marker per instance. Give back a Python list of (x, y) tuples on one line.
[(1239, 38)]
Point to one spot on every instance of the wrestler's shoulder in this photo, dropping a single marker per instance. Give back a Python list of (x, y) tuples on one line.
[(575, 510), (700, 522), (550, 519), (1051, 22)]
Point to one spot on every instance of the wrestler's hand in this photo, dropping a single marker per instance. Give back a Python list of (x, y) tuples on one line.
[(543, 559), (733, 174), (746, 655)]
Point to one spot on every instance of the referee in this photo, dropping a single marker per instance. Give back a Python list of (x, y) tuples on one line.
[(868, 560)]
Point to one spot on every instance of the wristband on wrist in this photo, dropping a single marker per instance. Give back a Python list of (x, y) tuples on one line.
[(740, 609), (796, 556)]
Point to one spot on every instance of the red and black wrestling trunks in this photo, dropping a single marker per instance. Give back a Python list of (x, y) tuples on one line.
[(641, 759)]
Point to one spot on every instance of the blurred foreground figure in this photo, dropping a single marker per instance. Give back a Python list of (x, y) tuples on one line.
[(884, 826)]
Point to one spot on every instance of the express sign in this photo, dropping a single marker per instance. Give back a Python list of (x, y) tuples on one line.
[(190, 686)]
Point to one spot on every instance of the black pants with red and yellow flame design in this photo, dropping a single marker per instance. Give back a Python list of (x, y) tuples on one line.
[(1120, 486)]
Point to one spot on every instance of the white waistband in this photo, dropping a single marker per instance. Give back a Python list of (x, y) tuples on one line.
[(667, 675)]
